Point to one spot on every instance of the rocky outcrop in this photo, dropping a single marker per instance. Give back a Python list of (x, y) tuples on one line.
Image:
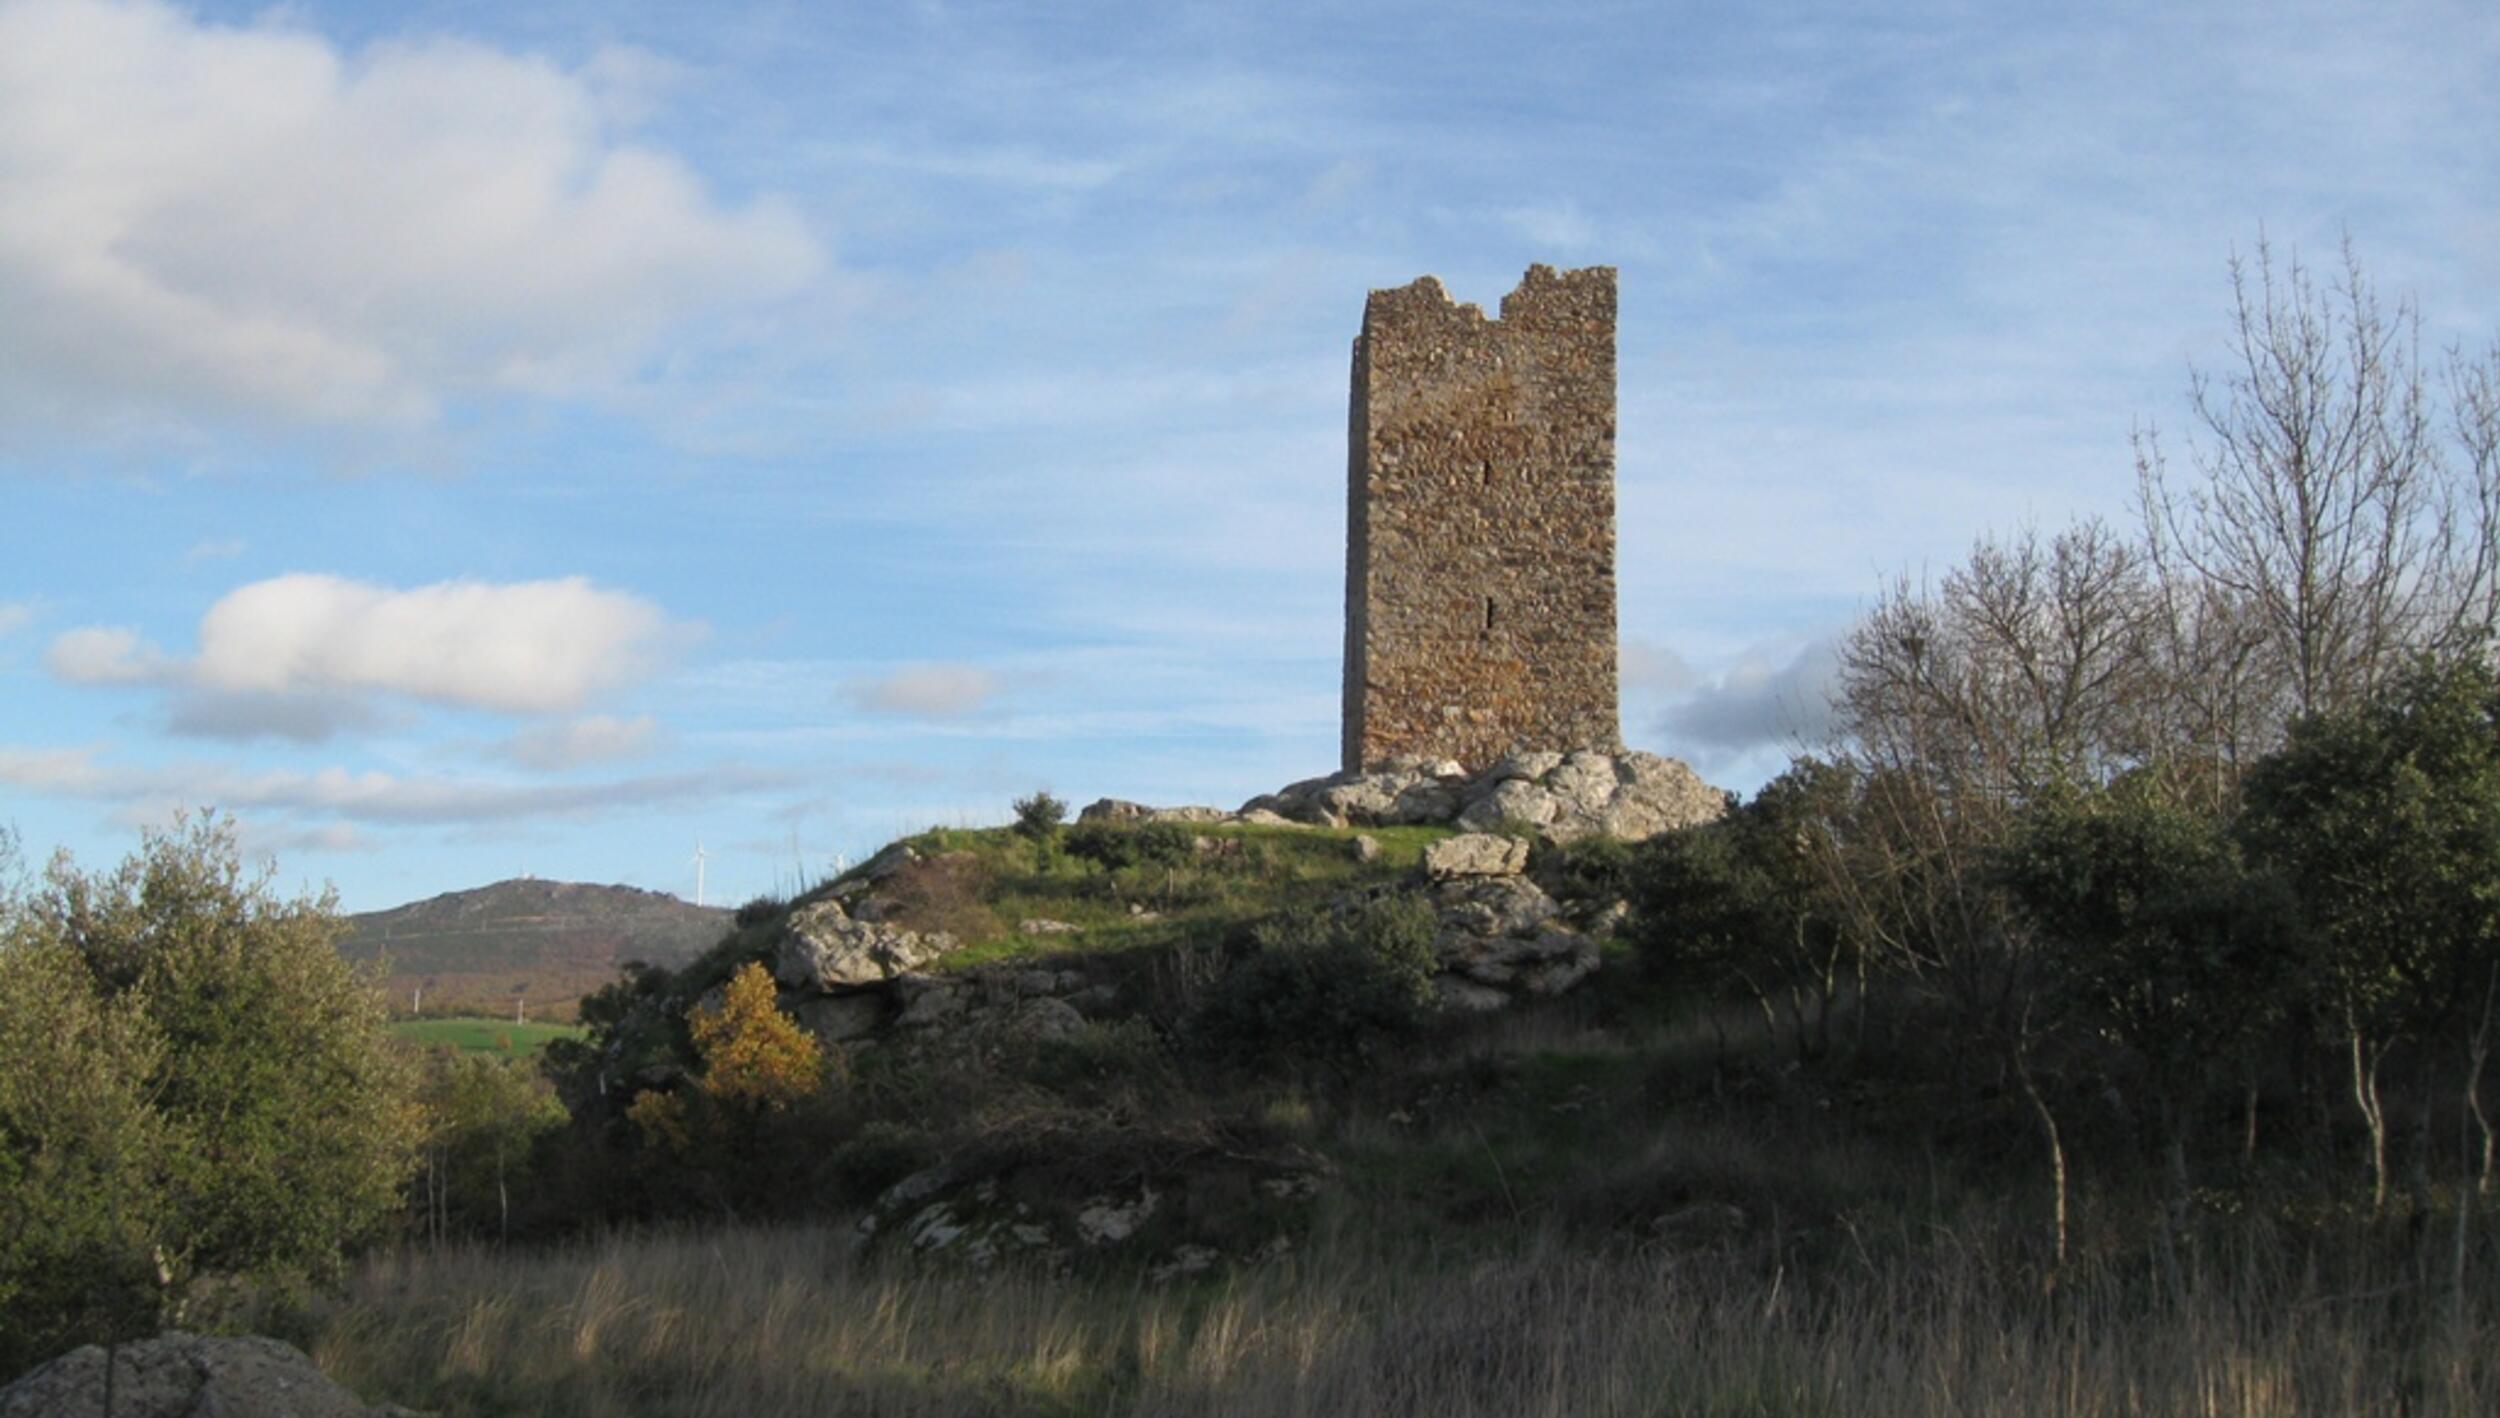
[(1501, 936), (825, 948), (1503, 933), (1632, 795), (1497, 935), (1122, 810), (1010, 998), (981, 1218), (179, 1375)]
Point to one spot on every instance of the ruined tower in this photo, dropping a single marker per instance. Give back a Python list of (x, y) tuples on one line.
[(1480, 523)]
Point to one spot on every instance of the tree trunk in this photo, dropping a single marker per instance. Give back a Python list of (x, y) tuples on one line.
[(2365, 1095), (2057, 1169), (2478, 1054), (2174, 1207)]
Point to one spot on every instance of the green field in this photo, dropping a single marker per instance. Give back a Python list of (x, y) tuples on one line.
[(484, 1036)]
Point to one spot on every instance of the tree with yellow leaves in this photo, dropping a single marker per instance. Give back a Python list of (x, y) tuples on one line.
[(754, 1056), (756, 1061)]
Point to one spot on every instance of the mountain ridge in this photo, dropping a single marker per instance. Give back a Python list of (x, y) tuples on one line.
[(544, 943)]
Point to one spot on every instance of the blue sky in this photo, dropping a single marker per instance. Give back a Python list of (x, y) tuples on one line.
[(467, 439)]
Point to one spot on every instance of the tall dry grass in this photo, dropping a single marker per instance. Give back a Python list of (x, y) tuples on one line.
[(755, 1322)]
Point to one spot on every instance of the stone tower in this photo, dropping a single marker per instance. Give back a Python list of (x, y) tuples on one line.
[(1480, 523)]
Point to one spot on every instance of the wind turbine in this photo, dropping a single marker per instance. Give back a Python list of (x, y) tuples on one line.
[(699, 855)]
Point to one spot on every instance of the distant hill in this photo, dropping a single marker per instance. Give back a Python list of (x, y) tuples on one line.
[(547, 941)]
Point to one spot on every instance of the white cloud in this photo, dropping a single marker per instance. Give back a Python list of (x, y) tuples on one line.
[(528, 646), (929, 691), (595, 738), (205, 220), (15, 616), (283, 652)]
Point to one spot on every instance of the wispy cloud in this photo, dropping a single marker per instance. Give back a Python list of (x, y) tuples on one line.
[(372, 796), (927, 691), (16, 616), (215, 549), (577, 743)]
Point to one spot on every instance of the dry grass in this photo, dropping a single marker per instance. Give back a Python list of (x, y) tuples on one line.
[(765, 1322)]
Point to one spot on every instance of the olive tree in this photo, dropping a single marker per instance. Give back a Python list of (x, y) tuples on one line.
[(79, 1152), (282, 1119)]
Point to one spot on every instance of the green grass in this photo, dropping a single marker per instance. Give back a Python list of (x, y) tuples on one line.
[(1272, 868), (484, 1036)]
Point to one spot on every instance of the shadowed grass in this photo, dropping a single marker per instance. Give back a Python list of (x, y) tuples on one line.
[(753, 1322)]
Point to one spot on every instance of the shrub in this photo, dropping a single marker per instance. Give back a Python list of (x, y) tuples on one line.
[(948, 892), (1589, 869), (1326, 986), (1038, 817), (1113, 845)]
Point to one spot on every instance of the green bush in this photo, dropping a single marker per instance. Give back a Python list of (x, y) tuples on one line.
[(1112, 846), (1038, 817), (205, 1083), (1330, 987), (1588, 869), (79, 1152)]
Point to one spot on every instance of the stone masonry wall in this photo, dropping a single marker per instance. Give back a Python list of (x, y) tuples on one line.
[(1480, 523)]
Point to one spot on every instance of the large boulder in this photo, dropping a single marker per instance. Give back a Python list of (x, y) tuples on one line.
[(1505, 933), (1492, 906), (1632, 795), (1401, 793), (824, 948), (1476, 854), (178, 1375), (840, 1019)]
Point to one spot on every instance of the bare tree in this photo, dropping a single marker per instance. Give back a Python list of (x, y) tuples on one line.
[(2326, 515), (2033, 663)]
